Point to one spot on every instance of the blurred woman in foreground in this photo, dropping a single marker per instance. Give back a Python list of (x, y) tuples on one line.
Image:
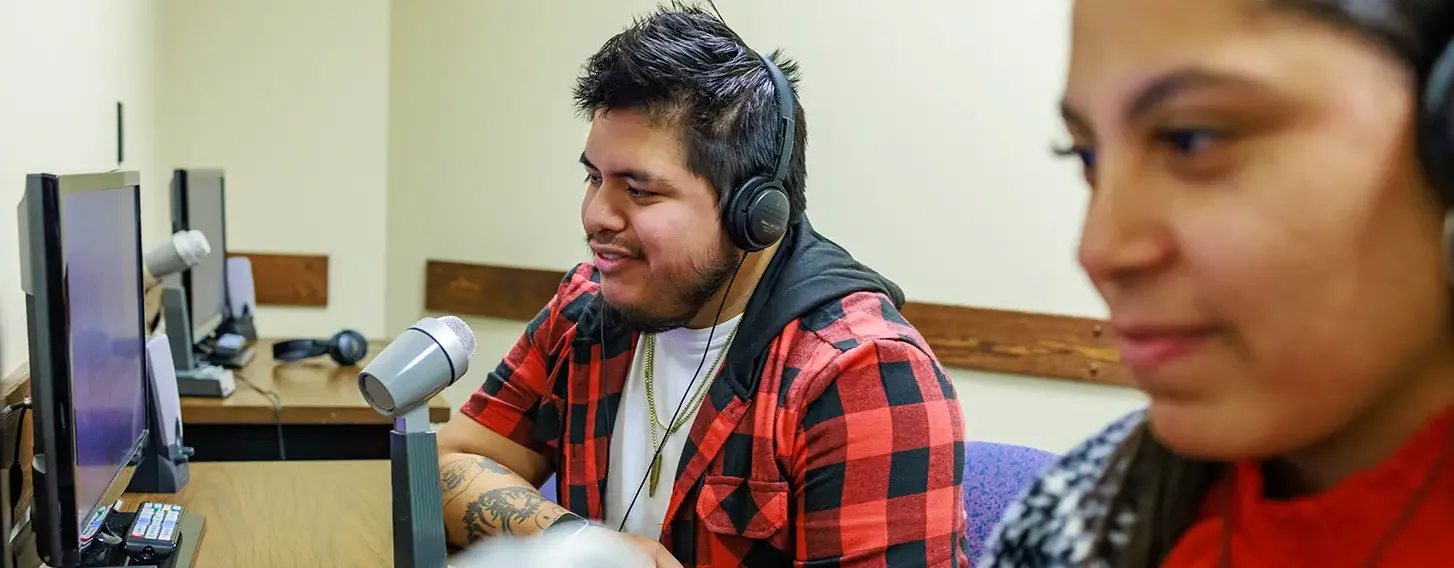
[(1267, 224)]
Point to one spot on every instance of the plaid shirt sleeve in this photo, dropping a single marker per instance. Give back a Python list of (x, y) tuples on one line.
[(880, 462), (508, 399)]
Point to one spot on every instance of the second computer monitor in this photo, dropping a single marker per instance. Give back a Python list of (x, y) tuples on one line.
[(198, 203)]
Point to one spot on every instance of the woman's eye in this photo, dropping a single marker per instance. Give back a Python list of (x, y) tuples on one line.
[(1086, 154), (1188, 140)]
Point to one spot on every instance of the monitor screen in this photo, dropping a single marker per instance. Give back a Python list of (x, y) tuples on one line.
[(208, 280), (101, 247)]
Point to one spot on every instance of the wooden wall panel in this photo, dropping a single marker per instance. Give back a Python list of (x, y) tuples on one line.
[(289, 279), (1018, 342), (974, 338), (491, 291)]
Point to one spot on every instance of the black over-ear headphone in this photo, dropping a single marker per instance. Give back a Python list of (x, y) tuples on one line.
[(1436, 125), (757, 212), (346, 348), (1436, 142), (756, 217)]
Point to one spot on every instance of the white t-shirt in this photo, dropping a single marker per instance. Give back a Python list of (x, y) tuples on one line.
[(677, 354)]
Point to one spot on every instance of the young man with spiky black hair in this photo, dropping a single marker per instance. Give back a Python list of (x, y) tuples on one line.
[(721, 384)]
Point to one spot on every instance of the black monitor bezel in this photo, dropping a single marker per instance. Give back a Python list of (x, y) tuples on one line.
[(180, 198), (54, 513)]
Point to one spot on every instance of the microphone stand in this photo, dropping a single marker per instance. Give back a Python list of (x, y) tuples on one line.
[(418, 501), (399, 382)]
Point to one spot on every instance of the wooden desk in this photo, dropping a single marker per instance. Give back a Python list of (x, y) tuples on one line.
[(321, 413), (313, 391), (284, 514)]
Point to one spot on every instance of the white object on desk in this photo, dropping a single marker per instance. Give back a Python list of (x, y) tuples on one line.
[(164, 378), (241, 295)]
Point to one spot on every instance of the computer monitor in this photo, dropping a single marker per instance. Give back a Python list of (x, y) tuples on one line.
[(81, 272), (199, 203)]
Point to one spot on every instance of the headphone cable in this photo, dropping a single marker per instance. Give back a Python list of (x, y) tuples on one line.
[(277, 401), (726, 293)]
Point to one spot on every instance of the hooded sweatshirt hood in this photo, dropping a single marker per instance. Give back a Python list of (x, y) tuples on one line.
[(806, 272)]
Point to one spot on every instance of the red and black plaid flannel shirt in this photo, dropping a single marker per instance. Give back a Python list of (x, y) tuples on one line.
[(849, 452)]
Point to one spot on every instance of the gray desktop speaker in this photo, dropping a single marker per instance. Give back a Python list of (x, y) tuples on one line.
[(163, 467)]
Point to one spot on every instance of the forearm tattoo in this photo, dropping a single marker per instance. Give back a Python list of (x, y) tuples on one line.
[(457, 475), (508, 511)]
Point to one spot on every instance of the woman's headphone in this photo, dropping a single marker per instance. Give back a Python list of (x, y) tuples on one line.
[(1436, 141), (1436, 123), (346, 348)]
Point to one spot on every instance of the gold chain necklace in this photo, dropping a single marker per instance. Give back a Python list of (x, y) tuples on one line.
[(696, 402)]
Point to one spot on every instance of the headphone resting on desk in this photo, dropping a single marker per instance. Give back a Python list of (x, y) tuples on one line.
[(346, 348)]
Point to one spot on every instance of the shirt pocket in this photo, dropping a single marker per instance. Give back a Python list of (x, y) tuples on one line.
[(748, 508)]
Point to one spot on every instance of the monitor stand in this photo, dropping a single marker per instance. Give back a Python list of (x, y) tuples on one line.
[(238, 360), (100, 554), (205, 380), (195, 376), (241, 325)]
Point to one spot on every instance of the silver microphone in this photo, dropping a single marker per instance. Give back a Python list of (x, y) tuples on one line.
[(183, 250), (429, 356)]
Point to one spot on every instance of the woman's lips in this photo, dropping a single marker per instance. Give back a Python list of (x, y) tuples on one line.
[(1147, 348)]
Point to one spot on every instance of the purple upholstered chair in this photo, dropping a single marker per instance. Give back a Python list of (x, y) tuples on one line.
[(994, 475)]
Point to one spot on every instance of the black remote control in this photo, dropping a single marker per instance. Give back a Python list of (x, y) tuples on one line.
[(155, 532)]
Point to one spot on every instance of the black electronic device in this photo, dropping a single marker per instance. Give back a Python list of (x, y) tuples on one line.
[(757, 212), (229, 351), (198, 200), (81, 273), (1436, 126), (199, 204), (155, 532), (346, 348), (195, 304)]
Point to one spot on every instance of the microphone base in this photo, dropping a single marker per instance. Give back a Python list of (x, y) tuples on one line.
[(417, 500)]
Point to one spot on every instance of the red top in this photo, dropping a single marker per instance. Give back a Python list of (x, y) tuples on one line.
[(1340, 527)]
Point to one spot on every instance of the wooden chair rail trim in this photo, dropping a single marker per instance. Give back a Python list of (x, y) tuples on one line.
[(1024, 343), (284, 279), (15, 385)]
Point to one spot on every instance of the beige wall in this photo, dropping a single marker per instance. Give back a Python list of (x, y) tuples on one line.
[(930, 127), (290, 97), (64, 64), (384, 133)]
